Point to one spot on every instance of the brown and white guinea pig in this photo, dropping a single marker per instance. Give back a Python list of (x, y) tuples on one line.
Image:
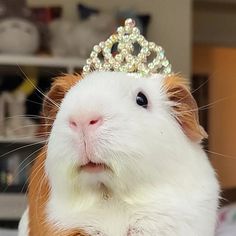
[(123, 159)]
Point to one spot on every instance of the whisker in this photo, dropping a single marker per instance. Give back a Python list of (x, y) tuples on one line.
[(39, 168), (22, 147), (20, 171), (28, 116), (25, 159), (53, 102), (43, 101), (200, 86), (210, 105), (15, 140), (220, 154), (32, 125), (41, 164), (34, 102)]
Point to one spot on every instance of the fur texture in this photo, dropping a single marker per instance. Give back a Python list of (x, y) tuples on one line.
[(158, 180)]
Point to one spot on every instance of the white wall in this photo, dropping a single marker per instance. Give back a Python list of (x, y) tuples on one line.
[(170, 26)]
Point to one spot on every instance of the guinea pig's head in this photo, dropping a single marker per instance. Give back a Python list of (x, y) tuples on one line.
[(114, 131)]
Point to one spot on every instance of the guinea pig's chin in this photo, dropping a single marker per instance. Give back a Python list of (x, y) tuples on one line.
[(94, 180)]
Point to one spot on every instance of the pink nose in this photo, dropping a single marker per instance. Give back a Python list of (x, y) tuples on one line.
[(76, 124)]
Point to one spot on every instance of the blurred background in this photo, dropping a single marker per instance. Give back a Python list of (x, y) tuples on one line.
[(40, 39)]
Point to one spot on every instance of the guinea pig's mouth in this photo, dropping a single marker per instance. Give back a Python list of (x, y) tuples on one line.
[(92, 167)]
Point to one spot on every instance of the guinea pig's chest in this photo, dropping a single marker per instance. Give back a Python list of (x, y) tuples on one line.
[(104, 219)]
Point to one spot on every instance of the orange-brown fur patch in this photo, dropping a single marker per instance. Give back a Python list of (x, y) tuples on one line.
[(52, 101), (39, 188), (185, 108), (38, 195)]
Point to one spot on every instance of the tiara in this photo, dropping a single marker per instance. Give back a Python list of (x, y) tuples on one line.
[(119, 53)]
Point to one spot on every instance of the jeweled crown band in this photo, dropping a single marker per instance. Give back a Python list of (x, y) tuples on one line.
[(104, 58)]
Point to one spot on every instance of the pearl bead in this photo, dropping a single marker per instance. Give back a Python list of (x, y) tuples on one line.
[(136, 31), (93, 54), (102, 44), (120, 30), (151, 45), (96, 48), (119, 57), (130, 22)]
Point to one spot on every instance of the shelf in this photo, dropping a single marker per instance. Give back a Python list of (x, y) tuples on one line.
[(4, 140), (17, 189), (12, 205), (42, 61)]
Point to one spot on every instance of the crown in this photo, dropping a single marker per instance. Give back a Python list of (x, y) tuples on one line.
[(128, 51)]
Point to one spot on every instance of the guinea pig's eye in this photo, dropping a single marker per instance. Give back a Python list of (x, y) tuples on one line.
[(142, 100)]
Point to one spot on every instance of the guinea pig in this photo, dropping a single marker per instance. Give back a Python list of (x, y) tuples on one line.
[(123, 158)]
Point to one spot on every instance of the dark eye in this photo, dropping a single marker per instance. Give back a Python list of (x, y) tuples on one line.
[(142, 100)]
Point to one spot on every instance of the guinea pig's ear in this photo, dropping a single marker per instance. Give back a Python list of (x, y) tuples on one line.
[(53, 98), (185, 108)]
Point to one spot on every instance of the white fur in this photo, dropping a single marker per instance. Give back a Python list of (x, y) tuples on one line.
[(161, 184), (23, 225)]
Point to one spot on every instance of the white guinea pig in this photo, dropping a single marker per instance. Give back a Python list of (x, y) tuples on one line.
[(123, 159)]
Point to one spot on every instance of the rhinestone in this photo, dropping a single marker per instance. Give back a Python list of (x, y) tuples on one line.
[(162, 55), (167, 70), (165, 63)]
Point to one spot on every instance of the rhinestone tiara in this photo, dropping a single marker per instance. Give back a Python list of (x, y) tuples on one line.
[(117, 53)]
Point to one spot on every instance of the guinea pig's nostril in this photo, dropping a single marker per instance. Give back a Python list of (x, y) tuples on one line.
[(93, 122), (73, 124), (96, 121)]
